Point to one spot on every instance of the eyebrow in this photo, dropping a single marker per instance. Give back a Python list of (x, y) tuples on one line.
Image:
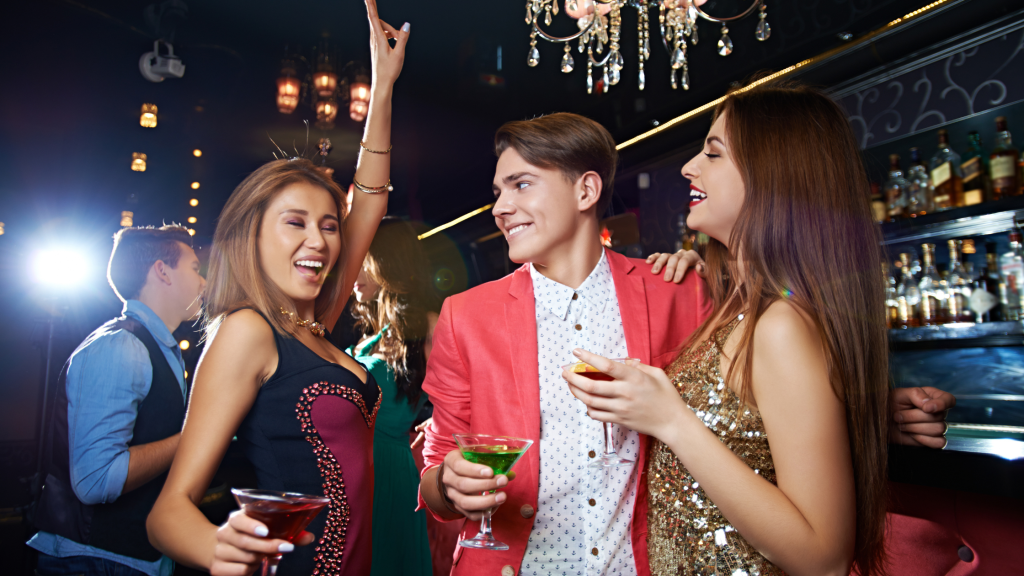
[(518, 175), (715, 139), (306, 213)]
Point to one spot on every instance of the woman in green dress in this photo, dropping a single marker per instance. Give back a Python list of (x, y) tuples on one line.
[(397, 310)]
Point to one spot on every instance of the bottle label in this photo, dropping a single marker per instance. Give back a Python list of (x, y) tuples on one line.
[(972, 197), (877, 208), (1003, 167), (1013, 268), (972, 170), (981, 301), (941, 174)]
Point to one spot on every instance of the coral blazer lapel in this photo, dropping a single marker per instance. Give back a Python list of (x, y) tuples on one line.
[(632, 297), (521, 332)]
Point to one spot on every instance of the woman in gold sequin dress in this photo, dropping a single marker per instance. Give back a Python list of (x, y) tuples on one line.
[(768, 434)]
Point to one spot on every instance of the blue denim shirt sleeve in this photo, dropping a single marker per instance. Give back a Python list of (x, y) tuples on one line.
[(106, 382)]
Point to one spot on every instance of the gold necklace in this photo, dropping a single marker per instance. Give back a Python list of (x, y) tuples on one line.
[(313, 326)]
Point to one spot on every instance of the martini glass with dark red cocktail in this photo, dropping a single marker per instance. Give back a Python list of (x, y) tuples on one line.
[(285, 514), (499, 453), (610, 458)]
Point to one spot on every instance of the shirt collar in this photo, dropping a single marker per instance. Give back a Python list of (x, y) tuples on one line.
[(151, 321), (594, 292)]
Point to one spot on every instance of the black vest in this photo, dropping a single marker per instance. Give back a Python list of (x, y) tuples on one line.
[(119, 526)]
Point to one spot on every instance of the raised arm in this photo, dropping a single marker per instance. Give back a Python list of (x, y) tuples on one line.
[(373, 169), (239, 357)]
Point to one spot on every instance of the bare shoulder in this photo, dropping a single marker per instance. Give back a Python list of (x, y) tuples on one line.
[(245, 327), (244, 336), (784, 325)]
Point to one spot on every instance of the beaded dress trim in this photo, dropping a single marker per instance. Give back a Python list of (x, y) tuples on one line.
[(687, 533), (329, 550)]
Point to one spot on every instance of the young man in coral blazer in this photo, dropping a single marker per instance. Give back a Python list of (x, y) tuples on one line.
[(483, 375)]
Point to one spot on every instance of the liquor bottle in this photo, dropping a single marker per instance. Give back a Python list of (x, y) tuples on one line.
[(1003, 163), (1011, 265), (947, 177), (895, 190), (975, 169), (892, 308), (878, 211), (1009, 296), (985, 296), (933, 290), (908, 297), (959, 286), (919, 192)]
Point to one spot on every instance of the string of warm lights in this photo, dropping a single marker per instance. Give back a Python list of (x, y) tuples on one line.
[(710, 105)]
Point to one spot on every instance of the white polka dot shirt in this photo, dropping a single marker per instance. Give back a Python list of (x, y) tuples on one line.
[(583, 514)]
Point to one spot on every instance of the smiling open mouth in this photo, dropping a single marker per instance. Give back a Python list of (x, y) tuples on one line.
[(517, 229), (696, 196), (309, 268)]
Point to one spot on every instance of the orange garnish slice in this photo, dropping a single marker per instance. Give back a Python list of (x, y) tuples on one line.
[(581, 367)]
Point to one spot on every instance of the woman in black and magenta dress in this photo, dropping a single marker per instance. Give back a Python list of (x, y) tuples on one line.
[(281, 270)]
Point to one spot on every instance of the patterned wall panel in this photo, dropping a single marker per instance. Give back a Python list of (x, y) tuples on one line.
[(979, 76)]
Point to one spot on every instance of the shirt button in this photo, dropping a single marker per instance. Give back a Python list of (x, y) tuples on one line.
[(579, 327), (591, 454), (508, 570), (575, 296), (592, 502), (526, 511), (593, 551)]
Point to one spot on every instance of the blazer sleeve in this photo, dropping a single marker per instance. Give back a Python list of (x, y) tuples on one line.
[(447, 385)]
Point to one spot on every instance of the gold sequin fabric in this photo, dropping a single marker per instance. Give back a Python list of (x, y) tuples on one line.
[(687, 534)]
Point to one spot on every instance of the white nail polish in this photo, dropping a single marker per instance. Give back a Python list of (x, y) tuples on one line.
[(261, 531), (286, 547), (405, 27)]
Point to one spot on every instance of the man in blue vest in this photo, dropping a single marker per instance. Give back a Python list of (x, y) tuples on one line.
[(118, 413)]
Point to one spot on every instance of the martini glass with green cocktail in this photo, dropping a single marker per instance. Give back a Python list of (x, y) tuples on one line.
[(499, 453)]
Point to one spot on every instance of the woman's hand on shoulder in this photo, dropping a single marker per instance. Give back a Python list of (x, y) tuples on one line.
[(676, 265)]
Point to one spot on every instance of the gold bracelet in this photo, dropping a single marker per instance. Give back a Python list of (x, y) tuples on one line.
[(373, 190), (363, 146)]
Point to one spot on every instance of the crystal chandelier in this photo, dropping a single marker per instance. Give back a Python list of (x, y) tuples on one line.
[(600, 23)]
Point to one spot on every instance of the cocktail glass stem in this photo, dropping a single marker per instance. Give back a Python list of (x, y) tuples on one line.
[(270, 565), (610, 458)]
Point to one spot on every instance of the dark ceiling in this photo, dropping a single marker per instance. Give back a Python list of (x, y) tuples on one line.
[(73, 90)]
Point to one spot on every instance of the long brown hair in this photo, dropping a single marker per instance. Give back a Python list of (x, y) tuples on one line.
[(805, 234), (397, 263), (236, 278)]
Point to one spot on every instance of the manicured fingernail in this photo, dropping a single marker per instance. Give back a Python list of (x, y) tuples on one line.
[(405, 27), (286, 547), (502, 481), (486, 472), (500, 497), (261, 531), (576, 352)]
